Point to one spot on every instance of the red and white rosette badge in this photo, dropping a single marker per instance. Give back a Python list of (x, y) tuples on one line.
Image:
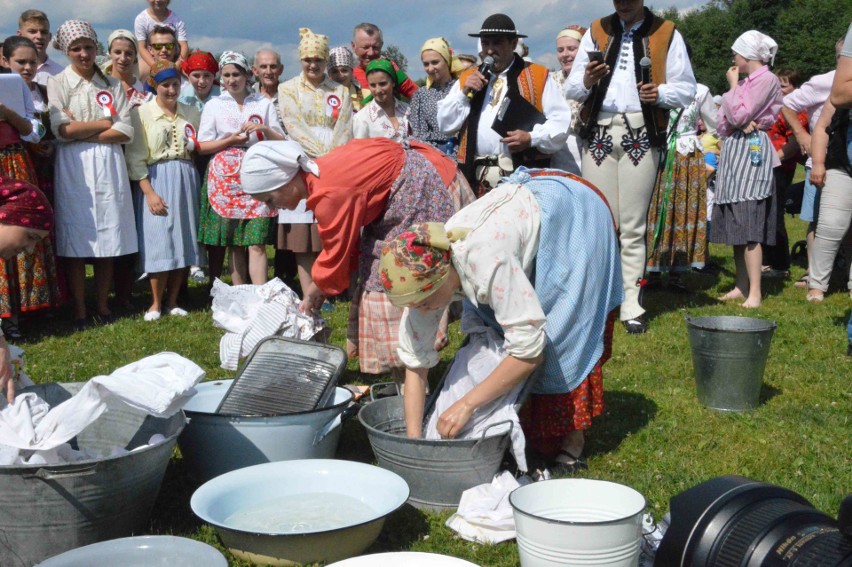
[(333, 102), (191, 138), (107, 103), (256, 119)]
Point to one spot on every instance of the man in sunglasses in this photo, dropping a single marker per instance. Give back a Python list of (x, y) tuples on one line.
[(163, 44)]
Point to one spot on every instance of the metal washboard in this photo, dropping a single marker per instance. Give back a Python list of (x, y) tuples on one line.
[(284, 376)]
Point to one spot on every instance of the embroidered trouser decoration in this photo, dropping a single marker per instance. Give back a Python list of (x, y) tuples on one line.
[(635, 143), (600, 145)]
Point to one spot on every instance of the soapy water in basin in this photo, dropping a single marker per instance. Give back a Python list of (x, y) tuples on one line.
[(303, 513)]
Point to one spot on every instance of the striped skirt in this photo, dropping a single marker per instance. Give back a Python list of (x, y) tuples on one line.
[(745, 202), (169, 242)]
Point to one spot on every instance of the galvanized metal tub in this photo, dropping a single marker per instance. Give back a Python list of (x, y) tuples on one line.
[(49, 509), (213, 444), (729, 356), (437, 471)]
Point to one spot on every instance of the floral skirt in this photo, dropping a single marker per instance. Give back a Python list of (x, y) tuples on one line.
[(548, 418), (216, 230), (678, 242), (29, 281)]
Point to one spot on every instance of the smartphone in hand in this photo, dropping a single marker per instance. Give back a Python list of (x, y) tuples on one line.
[(596, 56)]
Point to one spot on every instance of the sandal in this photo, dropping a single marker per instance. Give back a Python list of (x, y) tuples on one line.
[(815, 297), (802, 281), (561, 468)]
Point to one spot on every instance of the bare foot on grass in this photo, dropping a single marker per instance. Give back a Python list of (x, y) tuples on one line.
[(731, 295), (751, 303)]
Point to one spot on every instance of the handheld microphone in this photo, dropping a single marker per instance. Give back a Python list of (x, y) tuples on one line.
[(645, 68), (486, 69)]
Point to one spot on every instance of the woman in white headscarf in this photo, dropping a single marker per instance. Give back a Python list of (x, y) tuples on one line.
[(744, 210)]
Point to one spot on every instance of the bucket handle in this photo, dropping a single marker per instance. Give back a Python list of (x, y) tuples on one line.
[(72, 472), (338, 418), (475, 450)]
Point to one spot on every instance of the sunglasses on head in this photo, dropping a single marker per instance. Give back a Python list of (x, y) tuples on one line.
[(159, 46)]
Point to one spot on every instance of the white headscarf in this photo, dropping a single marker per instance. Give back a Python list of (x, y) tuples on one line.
[(755, 45), (268, 166)]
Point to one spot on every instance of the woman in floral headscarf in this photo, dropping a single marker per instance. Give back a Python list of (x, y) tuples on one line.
[(90, 116), (25, 220), (555, 224), (441, 68), (230, 123), (317, 113)]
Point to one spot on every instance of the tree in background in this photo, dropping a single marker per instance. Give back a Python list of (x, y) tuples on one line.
[(806, 31), (393, 53)]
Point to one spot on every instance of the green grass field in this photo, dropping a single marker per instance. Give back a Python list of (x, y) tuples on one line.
[(654, 436)]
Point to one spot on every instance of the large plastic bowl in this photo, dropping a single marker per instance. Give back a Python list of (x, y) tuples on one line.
[(142, 551), (303, 511)]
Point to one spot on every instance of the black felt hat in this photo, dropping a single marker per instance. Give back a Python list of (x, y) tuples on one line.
[(497, 24)]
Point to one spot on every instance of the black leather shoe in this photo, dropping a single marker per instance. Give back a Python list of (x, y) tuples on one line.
[(635, 326)]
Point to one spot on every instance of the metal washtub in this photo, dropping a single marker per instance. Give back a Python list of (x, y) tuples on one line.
[(49, 509)]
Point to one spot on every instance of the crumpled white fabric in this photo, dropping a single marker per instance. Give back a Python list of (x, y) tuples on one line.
[(484, 514), (250, 313), (159, 385), (652, 536), (473, 363)]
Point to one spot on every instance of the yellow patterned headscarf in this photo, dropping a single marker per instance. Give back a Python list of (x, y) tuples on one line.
[(312, 45), (442, 46), (416, 263)]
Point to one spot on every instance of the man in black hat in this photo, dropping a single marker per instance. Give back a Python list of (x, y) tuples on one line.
[(631, 69), (486, 93)]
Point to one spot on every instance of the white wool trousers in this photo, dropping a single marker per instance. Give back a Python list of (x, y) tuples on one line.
[(619, 161), (832, 232)]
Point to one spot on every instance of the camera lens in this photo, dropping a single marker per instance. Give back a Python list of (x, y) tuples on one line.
[(732, 521)]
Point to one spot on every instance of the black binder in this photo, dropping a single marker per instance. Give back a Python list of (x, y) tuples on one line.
[(516, 114)]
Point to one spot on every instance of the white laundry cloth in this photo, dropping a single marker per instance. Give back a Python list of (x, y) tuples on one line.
[(159, 385), (474, 363), (484, 514), (250, 313)]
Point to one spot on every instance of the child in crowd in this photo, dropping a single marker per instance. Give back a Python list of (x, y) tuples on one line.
[(158, 14), (200, 68), (90, 116), (34, 25)]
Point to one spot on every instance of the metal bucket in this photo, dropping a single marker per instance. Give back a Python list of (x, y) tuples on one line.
[(577, 521), (213, 444), (437, 471), (729, 356), (49, 509)]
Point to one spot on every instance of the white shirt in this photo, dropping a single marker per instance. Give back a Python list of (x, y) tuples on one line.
[(144, 23), (494, 262), (47, 69), (811, 97), (373, 122), (622, 95), (222, 116), (548, 138), (69, 91)]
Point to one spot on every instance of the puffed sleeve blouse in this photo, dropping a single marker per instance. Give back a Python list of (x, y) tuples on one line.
[(68, 91), (494, 262)]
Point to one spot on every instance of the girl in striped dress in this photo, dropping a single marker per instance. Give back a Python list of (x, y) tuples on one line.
[(744, 211)]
